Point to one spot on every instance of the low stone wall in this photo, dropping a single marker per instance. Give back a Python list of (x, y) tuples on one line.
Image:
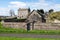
[(37, 26), (47, 26), (15, 24)]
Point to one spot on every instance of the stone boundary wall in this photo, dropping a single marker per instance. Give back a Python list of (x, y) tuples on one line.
[(15, 24), (37, 26), (47, 26)]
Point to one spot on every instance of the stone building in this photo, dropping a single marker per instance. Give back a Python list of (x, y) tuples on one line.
[(31, 16), (23, 13), (34, 16)]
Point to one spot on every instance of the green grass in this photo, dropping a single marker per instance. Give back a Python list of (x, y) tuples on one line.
[(13, 30), (15, 38)]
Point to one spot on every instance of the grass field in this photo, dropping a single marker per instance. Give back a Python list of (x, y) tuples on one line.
[(15, 38), (12, 30)]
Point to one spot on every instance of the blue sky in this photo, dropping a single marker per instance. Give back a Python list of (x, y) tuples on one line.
[(6, 5)]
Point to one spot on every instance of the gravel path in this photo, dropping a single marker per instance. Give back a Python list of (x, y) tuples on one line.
[(30, 35)]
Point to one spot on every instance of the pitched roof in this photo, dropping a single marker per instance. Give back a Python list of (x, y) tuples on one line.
[(32, 12)]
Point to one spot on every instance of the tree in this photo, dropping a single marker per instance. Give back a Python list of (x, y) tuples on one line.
[(12, 12), (51, 10), (41, 12), (54, 15), (29, 10)]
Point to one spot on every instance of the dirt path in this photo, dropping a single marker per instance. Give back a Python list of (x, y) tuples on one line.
[(30, 35)]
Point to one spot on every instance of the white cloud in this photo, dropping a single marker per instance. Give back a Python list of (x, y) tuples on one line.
[(41, 4), (57, 7), (4, 11), (12, 5), (16, 4), (46, 5)]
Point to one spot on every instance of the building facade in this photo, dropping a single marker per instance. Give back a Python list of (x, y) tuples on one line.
[(34, 16), (23, 13)]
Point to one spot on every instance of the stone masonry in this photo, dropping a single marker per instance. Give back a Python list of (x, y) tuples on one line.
[(37, 26)]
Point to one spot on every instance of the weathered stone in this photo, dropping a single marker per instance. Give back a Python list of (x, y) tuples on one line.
[(37, 26)]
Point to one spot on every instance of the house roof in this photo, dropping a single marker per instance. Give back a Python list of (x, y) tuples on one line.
[(32, 12)]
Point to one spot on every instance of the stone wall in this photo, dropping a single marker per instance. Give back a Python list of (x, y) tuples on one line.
[(15, 24), (47, 26), (37, 26)]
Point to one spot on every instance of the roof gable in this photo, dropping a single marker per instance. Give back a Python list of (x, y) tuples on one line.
[(34, 12), (34, 16)]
